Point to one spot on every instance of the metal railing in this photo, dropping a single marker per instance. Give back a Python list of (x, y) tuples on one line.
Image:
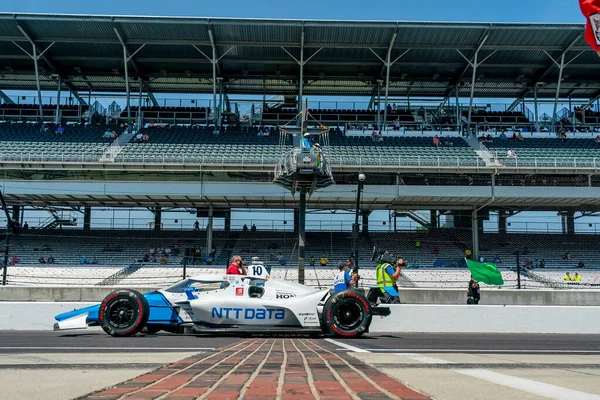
[(272, 160)]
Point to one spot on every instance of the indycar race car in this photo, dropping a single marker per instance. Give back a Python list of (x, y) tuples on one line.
[(228, 304)]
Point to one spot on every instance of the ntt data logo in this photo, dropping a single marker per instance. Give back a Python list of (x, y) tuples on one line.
[(248, 313)]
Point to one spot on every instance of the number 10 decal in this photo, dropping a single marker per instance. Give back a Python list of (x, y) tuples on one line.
[(257, 270)]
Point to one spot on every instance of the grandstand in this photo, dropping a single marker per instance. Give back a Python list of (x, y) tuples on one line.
[(216, 154)]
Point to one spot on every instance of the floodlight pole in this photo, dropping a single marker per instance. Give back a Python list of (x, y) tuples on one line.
[(472, 92), (535, 106), (139, 115), (378, 105), (301, 236)]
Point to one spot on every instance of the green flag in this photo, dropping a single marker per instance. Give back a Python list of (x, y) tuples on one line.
[(485, 272)]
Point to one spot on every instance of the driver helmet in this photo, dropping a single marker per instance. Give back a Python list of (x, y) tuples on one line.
[(307, 134)]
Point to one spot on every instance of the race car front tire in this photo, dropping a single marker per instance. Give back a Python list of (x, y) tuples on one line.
[(347, 314), (124, 313)]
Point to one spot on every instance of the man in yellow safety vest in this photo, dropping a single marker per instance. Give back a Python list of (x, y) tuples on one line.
[(386, 280)]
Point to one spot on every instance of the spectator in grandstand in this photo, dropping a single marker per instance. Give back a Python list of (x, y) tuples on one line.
[(577, 277), (350, 262), (50, 259), (323, 261), (497, 260), (42, 260), (397, 124), (520, 137), (567, 277), (153, 258), (374, 135), (473, 292), (245, 228), (209, 259), (438, 263), (107, 133), (542, 263), (436, 251), (436, 141), (312, 260), (25, 226), (113, 135), (281, 259), (59, 130), (253, 228), (511, 153), (196, 226), (15, 260), (568, 256), (562, 132), (138, 137), (152, 250), (146, 258), (468, 253), (84, 260), (597, 139), (145, 138), (163, 259), (379, 137), (160, 251), (503, 136), (343, 280), (581, 264), (394, 108), (94, 260), (236, 267), (168, 251)]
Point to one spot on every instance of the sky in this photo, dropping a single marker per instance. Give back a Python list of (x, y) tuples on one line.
[(551, 11)]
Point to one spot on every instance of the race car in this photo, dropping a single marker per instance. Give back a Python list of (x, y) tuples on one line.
[(253, 303)]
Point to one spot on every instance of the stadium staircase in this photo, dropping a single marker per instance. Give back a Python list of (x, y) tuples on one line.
[(116, 147), (543, 280), (117, 277), (483, 152), (58, 219)]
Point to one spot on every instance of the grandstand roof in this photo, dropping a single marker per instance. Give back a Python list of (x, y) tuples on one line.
[(345, 57)]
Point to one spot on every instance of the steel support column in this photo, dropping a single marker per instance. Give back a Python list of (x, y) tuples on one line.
[(209, 229), (126, 89), (301, 82), (57, 116), (475, 232), (535, 106), (387, 83), (378, 106), (139, 115), (87, 218), (472, 93), (560, 75), (37, 82), (301, 236), (214, 79), (458, 116), (157, 218)]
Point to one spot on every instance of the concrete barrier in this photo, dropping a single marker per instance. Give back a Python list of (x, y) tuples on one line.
[(409, 296), (489, 319), (403, 318)]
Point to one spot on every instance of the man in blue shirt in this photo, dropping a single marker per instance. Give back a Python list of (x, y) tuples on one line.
[(306, 144), (342, 280)]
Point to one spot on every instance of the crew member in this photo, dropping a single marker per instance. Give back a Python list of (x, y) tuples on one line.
[(386, 281), (473, 293), (343, 280), (306, 144), (236, 267)]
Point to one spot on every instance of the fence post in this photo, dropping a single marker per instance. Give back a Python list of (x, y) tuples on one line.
[(518, 271)]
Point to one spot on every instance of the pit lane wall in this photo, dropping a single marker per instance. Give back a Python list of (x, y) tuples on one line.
[(409, 296), (403, 318)]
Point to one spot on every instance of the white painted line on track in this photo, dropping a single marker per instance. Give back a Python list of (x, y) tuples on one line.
[(526, 385), (103, 348), (482, 351), (347, 346)]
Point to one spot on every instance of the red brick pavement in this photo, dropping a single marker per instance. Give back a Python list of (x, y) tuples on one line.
[(253, 368)]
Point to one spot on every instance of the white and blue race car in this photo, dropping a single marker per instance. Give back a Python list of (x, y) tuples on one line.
[(229, 304)]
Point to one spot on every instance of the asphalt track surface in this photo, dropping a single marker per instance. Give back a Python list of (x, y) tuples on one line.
[(93, 341)]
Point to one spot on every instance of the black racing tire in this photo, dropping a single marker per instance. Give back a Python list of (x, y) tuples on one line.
[(124, 313), (347, 314)]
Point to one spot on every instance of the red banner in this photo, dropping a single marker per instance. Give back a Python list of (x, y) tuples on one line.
[(591, 11)]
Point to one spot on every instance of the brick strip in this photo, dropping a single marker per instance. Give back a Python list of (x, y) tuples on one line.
[(255, 373), (377, 380), (309, 376), (231, 371), (331, 389), (282, 371), (187, 380)]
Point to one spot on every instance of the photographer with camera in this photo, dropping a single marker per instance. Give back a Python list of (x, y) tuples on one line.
[(387, 276), (343, 280)]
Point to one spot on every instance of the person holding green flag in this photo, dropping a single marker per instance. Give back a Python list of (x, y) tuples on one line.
[(485, 272)]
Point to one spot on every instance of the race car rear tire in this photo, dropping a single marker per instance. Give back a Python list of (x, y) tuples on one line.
[(124, 313), (347, 314)]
